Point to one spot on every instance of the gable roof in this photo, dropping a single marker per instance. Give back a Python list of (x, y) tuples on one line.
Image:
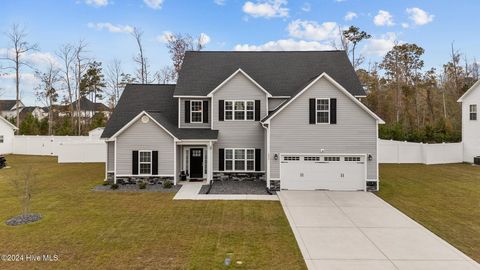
[(87, 105), (233, 75), (312, 82), (8, 123), (8, 104), (280, 73), (157, 101), (470, 90)]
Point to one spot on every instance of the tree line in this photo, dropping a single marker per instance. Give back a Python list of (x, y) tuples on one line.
[(74, 74)]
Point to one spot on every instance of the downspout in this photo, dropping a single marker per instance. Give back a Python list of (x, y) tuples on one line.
[(266, 126)]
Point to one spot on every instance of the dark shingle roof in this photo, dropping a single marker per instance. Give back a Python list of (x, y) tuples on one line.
[(280, 73), (7, 104), (87, 105), (157, 100)]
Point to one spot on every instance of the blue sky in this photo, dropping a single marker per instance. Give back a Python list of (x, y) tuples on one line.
[(235, 25)]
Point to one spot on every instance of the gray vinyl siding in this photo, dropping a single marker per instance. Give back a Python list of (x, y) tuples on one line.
[(354, 133), (182, 115), (144, 136), (273, 103), (239, 134), (110, 156)]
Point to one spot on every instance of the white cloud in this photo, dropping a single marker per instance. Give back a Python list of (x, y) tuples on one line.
[(118, 28), (203, 39), (405, 25), (312, 30), (350, 16), (155, 4), (285, 45), (379, 46), (419, 16), (165, 37), (219, 2), (339, 1), (383, 18), (306, 7), (266, 8), (96, 3)]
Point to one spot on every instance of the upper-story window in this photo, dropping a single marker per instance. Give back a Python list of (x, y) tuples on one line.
[(473, 112), (323, 110), (196, 111), (239, 110)]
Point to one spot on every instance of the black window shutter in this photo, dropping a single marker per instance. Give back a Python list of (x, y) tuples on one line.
[(257, 110), (205, 111), (333, 111), (187, 111), (258, 159), (312, 111), (155, 162), (221, 159), (221, 104), (134, 162)]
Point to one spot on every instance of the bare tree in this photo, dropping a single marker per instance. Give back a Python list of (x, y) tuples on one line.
[(17, 37), (166, 75), (177, 45), (80, 66), (66, 53), (46, 91), (22, 185), (142, 61), (114, 77)]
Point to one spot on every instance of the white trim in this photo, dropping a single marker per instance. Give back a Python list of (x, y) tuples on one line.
[(115, 161), (135, 119), (239, 172), (150, 175), (280, 97), (233, 75), (317, 111), (233, 159), (181, 96), (376, 161), (325, 75), (179, 105), (233, 110), (471, 112), (8, 123), (191, 111), (186, 156), (175, 173), (267, 154), (194, 142), (151, 162), (469, 91)]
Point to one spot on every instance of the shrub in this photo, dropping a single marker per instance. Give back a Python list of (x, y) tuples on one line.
[(105, 183), (167, 184), (142, 185), (114, 186)]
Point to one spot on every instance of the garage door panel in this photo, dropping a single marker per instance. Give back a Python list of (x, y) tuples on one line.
[(329, 172)]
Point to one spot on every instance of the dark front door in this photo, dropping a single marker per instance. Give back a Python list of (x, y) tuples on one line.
[(196, 163)]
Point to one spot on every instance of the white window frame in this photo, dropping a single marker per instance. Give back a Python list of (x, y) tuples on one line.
[(2, 139), (473, 111), (192, 111), (233, 159), (317, 111), (245, 110), (140, 162)]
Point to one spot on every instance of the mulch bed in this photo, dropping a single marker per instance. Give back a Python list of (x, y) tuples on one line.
[(23, 219), (236, 187), (135, 188)]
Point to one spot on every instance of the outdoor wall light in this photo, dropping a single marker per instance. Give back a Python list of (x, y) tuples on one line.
[(370, 157), (275, 156)]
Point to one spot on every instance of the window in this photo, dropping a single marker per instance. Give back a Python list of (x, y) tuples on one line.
[(290, 158), (1, 138), (323, 111), (239, 159), (331, 158), (239, 110), (352, 158), (473, 112), (145, 162), (196, 111), (311, 158)]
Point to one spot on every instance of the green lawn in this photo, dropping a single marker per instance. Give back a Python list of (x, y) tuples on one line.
[(102, 230), (443, 198)]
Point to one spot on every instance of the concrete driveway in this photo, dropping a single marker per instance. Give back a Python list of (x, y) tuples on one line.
[(358, 230)]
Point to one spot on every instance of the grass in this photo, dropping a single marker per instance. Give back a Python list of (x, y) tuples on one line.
[(443, 198), (107, 230)]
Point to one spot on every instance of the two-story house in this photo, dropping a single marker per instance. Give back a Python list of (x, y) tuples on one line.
[(292, 119), (471, 123)]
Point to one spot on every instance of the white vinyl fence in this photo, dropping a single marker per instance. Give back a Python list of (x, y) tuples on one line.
[(72, 152), (406, 152)]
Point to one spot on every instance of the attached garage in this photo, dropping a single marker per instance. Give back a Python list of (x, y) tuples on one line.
[(322, 171)]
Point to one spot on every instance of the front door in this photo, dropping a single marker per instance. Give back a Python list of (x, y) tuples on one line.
[(196, 163)]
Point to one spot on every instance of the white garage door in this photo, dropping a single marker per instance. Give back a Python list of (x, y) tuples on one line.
[(321, 171)]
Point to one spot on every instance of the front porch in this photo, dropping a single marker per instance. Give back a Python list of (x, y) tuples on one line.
[(195, 160)]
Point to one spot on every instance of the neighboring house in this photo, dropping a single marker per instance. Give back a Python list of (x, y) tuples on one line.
[(471, 123), (8, 107), (7, 131), (290, 118), (87, 108), (36, 112)]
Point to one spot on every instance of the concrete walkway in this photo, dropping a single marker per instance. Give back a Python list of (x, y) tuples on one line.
[(358, 230), (190, 190)]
